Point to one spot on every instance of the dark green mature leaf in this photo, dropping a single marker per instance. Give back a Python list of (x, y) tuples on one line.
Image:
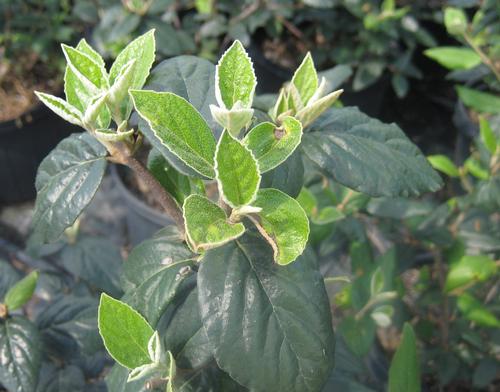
[(66, 182), (366, 155), (8, 276), (95, 260), (404, 374), (266, 320), (19, 354), (153, 295), (287, 177), (185, 335), (116, 381), (68, 326), (69, 378), (153, 255)]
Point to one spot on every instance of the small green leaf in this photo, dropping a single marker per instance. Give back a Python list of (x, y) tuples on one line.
[(237, 171), (272, 145), (84, 47), (454, 57), (404, 373), (455, 20), (179, 127), (117, 97), (233, 120), (142, 50), (125, 332), (358, 334), (478, 100), (475, 311), (284, 224), (61, 108), (487, 136), (315, 108), (207, 225), (305, 79), (21, 292), (235, 78), (92, 75), (474, 167), (444, 164), (468, 270)]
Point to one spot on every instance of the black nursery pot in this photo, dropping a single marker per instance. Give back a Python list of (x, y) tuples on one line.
[(24, 143), (142, 220)]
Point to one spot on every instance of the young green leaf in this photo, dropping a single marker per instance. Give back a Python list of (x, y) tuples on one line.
[(125, 332), (207, 225), (86, 69), (487, 136), (314, 109), (84, 47), (233, 120), (283, 223), (475, 311), (179, 127), (21, 292), (479, 100), (475, 168), (443, 164), (61, 108), (454, 57), (455, 20), (307, 201), (272, 145), (235, 78), (237, 171), (327, 215), (305, 79), (79, 92), (117, 97), (142, 50), (468, 270), (404, 373)]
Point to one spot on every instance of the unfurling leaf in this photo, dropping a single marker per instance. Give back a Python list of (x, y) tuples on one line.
[(237, 171), (125, 332), (233, 120), (207, 225), (61, 108), (179, 127), (272, 145), (283, 223)]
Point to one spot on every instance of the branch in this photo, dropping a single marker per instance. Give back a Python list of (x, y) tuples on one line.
[(162, 196)]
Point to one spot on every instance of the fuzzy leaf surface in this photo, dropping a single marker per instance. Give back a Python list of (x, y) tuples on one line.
[(125, 332), (271, 145), (207, 225), (237, 171), (285, 222), (179, 127)]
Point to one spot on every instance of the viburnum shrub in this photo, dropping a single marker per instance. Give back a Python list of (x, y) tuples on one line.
[(229, 296)]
